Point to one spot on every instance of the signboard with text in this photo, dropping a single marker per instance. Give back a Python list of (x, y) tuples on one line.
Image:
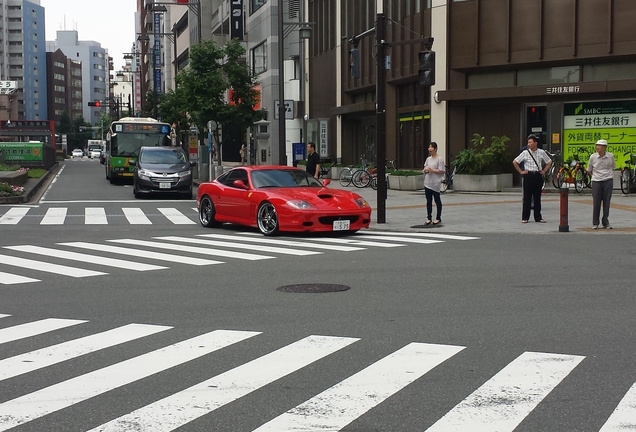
[(587, 122), (16, 152)]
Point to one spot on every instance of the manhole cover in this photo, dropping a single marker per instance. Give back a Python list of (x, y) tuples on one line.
[(313, 288)]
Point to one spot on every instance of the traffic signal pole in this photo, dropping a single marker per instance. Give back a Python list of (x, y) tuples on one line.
[(380, 116)]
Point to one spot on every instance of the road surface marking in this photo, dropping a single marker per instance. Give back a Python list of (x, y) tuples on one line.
[(185, 406), (95, 216), (48, 267), (270, 249), (34, 328), (623, 418), (12, 279), (508, 397), (13, 215), (176, 217), (303, 245), (67, 393), (54, 216), (136, 216), (341, 404), (34, 360)]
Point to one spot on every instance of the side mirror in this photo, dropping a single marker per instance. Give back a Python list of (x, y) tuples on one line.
[(326, 182), (193, 163), (132, 162), (240, 184)]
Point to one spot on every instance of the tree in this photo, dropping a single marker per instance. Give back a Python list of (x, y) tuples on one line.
[(206, 83)]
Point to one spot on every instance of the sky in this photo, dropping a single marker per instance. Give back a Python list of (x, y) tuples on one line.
[(111, 23)]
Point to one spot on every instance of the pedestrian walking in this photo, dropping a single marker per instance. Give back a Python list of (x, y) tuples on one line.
[(601, 167), (313, 160), (243, 153), (533, 160), (434, 170)]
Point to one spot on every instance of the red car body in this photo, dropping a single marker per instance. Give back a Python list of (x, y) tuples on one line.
[(279, 198)]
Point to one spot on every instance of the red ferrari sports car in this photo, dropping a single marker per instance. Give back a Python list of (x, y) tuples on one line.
[(279, 198)]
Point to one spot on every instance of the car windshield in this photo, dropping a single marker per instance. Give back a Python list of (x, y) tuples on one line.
[(283, 178), (163, 156)]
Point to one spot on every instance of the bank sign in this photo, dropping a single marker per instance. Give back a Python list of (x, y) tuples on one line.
[(586, 123)]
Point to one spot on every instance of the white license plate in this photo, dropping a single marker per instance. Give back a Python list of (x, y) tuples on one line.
[(164, 185), (341, 225)]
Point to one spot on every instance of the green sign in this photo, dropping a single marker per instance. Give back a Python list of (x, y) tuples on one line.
[(586, 123), (16, 152)]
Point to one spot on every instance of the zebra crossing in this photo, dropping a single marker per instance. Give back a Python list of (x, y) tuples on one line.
[(500, 404), (128, 254), (99, 216)]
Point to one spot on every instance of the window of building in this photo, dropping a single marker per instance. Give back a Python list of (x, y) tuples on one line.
[(259, 58), (491, 80), (256, 5), (556, 75), (609, 72)]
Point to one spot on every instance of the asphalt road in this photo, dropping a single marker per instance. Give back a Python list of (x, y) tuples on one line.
[(474, 332)]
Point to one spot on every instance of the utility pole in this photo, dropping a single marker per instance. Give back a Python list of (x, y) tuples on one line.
[(380, 115)]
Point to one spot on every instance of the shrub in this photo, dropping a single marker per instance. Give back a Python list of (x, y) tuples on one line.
[(7, 190), (484, 159), (404, 173)]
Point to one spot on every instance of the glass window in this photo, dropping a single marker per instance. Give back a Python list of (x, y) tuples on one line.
[(491, 80), (259, 59), (609, 72), (256, 5), (556, 75)]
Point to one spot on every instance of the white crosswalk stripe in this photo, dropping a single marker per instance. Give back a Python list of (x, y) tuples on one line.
[(187, 250), (95, 216), (176, 217), (508, 397), (500, 404), (54, 216), (47, 400), (35, 328), (13, 216), (136, 216)]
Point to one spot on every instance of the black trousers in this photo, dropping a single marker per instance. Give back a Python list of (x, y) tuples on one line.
[(532, 185)]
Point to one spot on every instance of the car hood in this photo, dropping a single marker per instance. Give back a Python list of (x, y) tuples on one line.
[(165, 167), (317, 196)]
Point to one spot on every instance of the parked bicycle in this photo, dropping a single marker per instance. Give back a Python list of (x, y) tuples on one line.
[(628, 174), (551, 174), (347, 175), (573, 172), (389, 168), (449, 176), (325, 169)]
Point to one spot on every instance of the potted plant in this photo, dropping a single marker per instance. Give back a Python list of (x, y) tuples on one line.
[(483, 168), (406, 180)]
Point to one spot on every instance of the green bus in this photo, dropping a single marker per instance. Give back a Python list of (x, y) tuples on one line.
[(124, 139)]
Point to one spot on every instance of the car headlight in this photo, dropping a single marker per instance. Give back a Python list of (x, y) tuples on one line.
[(301, 205), (185, 173), (361, 202), (143, 174)]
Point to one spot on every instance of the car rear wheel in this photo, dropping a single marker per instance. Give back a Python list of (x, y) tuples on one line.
[(267, 219), (207, 212)]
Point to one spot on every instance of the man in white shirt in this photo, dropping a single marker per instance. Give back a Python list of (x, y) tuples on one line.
[(532, 172), (601, 167)]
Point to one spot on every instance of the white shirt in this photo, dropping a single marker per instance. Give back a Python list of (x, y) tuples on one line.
[(601, 167), (528, 161)]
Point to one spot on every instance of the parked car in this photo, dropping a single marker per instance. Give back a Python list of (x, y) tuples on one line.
[(279, 198), (94, 153), (162, 170), (77, 153)]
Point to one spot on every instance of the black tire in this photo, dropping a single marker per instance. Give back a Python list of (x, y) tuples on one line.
[(361, 178), (267, 219), (207, 212), (625, 181), (579, 183), (559, 178), (345, 177), (374, 183), (136, 192), (444, 185)]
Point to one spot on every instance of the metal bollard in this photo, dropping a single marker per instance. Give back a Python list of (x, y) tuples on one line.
[(564, 191)]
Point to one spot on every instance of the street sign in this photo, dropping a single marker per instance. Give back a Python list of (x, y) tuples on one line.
[(289, 109)]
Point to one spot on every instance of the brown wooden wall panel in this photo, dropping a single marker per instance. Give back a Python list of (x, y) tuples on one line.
[(559, 23), (525, 26), (463, 35), (493, 27)]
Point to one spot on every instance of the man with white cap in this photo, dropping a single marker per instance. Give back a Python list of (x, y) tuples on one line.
[(601, 167)]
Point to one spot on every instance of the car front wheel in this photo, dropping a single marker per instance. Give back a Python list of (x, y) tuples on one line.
[(267, 219), (207, 212)]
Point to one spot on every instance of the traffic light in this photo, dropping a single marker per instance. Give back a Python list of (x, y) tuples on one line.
[(354, 62), (95, 104), (427, 68)]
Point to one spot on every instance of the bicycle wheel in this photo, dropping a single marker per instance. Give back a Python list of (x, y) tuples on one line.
[(579, 182), (345, 177), (559, 178), (374, 183), (444, 186), (625, 181), (361, 178), (555, 178)]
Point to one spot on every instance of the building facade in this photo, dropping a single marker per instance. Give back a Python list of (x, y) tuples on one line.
[(64, 86), (560, 69)]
